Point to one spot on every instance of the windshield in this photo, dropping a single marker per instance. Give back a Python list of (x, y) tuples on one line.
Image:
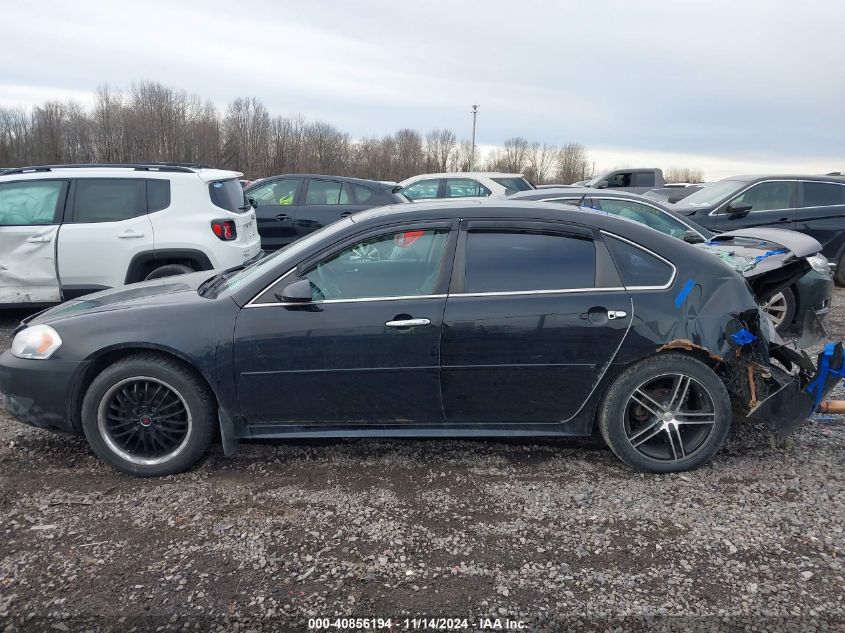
[(515, 183), (254, 271), (712, 194)]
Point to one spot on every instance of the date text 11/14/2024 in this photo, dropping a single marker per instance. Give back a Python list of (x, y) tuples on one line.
[(416, 624)]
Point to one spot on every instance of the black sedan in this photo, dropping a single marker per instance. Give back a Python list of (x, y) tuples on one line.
[(290, 206), (785, 308), (814, 205), (459, 319)]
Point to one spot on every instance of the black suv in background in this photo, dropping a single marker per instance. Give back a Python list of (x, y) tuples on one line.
[(292, 205), (814, 205)]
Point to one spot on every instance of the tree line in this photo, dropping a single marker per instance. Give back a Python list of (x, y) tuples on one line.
[(154, 122)]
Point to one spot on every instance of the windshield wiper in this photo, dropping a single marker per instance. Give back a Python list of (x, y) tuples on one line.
[(209, 285)]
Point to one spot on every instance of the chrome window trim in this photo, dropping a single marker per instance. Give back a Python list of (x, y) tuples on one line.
[(500, 293), (357, 300)]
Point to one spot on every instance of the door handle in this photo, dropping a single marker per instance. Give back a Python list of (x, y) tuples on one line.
[(283, 216), (783, 221), (408, 323), (39, 239), (129, 234), (616, 314), (346, 214)]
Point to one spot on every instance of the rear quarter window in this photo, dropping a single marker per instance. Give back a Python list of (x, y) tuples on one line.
[(636, 266), (228, 195)]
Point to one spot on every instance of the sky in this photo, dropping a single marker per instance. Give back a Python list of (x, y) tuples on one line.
[(726, 86)]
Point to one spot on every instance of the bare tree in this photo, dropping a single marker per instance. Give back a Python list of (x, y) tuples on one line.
[(462, 157), (154, 122), (439, 146), (541, 161), (514, 155), (683, 174), (571, 163)]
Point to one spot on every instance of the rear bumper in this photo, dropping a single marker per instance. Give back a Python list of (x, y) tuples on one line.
[(38, 392)]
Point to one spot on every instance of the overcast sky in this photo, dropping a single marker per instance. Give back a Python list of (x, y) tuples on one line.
[(742, 85)]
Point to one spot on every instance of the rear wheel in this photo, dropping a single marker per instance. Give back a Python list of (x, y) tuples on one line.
[(668, 413), (148, 415), (781, 309), (169, 270)]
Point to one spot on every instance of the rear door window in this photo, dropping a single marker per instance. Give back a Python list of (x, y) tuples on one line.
[(363, 193), (109, 200), (513, 261), (823, 194), (32, 203), (228, 195), (465, 188), (326, 192)]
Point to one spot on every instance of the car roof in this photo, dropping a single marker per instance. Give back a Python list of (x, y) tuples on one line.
[(467, 174), (380, 184), (142, 170), (811, 177), (577, 192)]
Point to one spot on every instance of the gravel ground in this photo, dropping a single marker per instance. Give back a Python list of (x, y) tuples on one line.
[(557, 535)]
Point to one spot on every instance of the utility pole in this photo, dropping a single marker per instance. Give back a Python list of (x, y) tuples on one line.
[(475, 107)]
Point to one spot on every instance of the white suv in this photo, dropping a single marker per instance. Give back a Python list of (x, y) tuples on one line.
[(463, 185), (69, 230)]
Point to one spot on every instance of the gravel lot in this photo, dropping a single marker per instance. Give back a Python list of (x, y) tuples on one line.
[(559, 535)]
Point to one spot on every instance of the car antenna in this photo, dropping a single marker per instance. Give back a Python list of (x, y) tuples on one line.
[(581, 201)]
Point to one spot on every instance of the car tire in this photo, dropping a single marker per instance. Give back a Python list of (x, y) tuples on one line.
[(149, 415), (648, 431), (781, 309), (168, 270)]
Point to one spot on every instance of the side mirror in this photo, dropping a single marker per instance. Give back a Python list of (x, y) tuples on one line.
[(296, 292), (602, 184), (691, 237), (252, 202), (739, 209)]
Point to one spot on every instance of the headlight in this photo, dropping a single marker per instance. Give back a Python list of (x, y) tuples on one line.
[(36, 342), (820, 264)]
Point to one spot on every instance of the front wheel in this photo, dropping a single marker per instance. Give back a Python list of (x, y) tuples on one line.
[(667, 413), (149, 415), (781, 310)]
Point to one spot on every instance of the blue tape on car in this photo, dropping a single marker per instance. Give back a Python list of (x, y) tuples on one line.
[(684, 293), (816, 386), (760, 258), (743, 337)]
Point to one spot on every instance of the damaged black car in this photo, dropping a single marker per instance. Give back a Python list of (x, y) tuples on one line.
[(470, 319)]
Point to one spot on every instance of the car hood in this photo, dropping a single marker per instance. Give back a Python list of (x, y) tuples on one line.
[(157, 292), (770, 259)]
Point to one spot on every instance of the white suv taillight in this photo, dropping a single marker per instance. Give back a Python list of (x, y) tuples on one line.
[(224, 229)]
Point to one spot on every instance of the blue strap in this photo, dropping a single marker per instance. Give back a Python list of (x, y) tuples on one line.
[(816, 386)]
